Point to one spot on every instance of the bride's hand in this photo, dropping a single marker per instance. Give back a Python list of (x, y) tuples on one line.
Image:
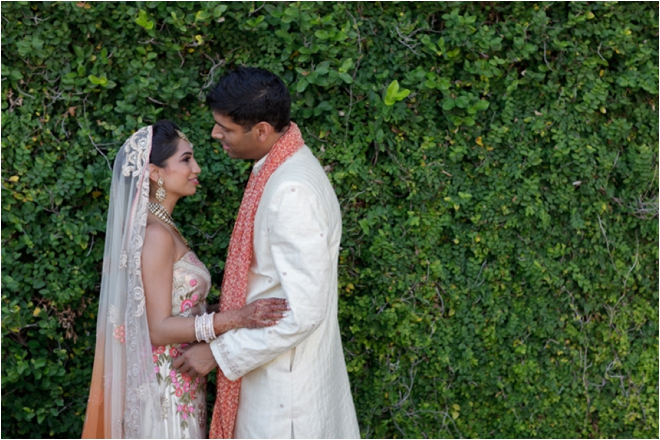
[(263, 313), (196, 310)]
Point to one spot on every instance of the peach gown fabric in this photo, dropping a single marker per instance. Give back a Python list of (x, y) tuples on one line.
[(182, 398)]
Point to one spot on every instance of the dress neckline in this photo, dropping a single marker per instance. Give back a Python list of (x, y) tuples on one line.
[(183, 256)]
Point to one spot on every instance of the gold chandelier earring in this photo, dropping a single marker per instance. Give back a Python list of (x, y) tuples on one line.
[(160, 192)]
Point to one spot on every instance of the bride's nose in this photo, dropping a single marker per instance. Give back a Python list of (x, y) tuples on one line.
[(195, 168)]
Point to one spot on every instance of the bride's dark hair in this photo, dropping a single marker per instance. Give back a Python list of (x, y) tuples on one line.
[(164, 142)]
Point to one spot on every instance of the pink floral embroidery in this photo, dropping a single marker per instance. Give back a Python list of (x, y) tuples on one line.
[(194, 260), (185, 410), (119, 334), (187, 305), (182, 389)]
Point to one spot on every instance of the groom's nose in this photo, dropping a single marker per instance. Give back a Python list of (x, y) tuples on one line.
[(216, 133)]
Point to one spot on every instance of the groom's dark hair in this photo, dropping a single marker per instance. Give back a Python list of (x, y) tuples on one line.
[(249, 95)]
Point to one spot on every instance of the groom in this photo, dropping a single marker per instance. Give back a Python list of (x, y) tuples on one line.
[(288, 380)]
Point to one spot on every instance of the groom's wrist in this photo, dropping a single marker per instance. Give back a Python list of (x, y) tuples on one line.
[(226, 321)]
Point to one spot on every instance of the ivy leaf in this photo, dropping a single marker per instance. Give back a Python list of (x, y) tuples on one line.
[(322, 68), (482, 105), (217, 12), (16, 75), (346, 65), (253, 23), (443, 84), (462, 101), (346, 77), (302, 85), (364, 224), (393, 94), (143, 20), (448, 104), (322, 35), (202, 15)]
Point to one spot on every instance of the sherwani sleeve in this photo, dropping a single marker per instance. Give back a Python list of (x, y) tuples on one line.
[(299, 247)]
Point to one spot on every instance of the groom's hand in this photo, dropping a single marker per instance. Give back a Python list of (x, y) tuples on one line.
[(196, 360)]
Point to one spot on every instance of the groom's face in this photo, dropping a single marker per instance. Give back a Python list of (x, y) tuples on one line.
[(238, 143)]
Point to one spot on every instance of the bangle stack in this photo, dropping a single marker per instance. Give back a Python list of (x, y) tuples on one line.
[(204, 327)]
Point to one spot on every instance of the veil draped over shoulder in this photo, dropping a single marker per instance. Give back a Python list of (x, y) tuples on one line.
[(124, 389)]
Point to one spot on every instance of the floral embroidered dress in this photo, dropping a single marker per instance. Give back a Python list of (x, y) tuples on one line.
[(183, 399)]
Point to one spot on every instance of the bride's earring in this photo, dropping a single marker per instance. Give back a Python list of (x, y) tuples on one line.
[(160, 192)]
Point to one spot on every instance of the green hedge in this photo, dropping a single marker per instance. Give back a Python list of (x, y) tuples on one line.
[(496, 166)]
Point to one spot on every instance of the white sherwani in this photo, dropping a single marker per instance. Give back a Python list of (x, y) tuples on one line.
[(295, 382)]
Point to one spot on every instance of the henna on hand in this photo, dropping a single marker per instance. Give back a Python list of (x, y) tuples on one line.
[(263, 313)]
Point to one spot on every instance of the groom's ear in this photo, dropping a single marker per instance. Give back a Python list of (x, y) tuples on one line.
[(263, 130)]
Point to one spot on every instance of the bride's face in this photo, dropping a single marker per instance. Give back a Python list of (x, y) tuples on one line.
[(180, 172)]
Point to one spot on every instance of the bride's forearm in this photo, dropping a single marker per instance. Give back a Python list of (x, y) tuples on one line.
[(179, 330), (172, 330)]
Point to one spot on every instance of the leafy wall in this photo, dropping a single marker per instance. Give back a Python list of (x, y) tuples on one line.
[(496, 166)]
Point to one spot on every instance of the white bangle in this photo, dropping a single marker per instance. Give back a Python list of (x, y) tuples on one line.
[(198, 330), (204, 330), (211, 330)]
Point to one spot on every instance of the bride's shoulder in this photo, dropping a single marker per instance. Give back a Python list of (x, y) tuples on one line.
[(158, 239)]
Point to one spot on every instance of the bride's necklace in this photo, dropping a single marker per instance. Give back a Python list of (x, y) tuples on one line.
[(159, 211)]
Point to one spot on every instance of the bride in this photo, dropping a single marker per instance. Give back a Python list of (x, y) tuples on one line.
[(153, 298)]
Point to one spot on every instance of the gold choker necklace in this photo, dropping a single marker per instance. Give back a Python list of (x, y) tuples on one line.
[(159, 211)]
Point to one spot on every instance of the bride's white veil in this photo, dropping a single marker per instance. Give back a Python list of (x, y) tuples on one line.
[(124, 390)]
